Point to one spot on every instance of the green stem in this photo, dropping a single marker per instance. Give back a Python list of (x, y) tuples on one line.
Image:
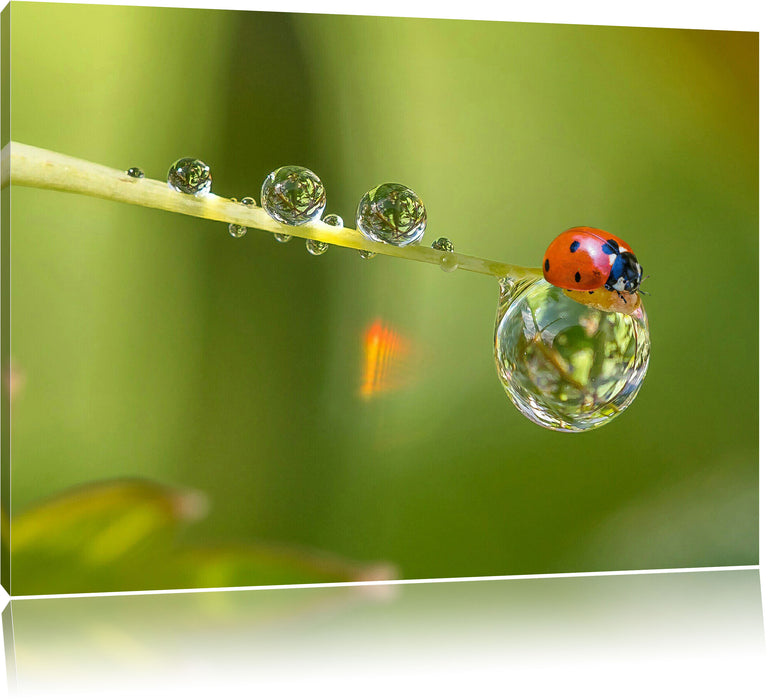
[(35, 167)]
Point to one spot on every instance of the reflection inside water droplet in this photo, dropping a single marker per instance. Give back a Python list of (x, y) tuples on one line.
[(190, 176), (565, 365), (316, 247), (333, 220), (293, 195), (443, 244), (391, 213)]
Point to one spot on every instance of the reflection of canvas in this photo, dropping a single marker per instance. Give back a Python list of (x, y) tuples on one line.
[(192, 408), (306, 637)]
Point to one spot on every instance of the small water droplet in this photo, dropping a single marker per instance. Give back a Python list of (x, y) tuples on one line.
[(565, 365), (443, 244), (190, 176), (135, 172), (391, 213), (235, 230), (449, 262), (366, 254), (282, 237), (333, 220), (293, 195), (316, 247), (248, 201)]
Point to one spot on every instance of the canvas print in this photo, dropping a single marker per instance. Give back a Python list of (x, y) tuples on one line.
[(296, 298)]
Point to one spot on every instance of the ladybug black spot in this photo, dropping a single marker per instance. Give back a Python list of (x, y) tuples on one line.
[(577, 277), (610, 247), (573, 247), (547, 265), (590, 292)]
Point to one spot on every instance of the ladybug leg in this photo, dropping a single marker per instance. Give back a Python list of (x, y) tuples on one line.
[(612, 288)]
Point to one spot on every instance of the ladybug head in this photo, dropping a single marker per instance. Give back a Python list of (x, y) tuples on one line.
[(626, 274)]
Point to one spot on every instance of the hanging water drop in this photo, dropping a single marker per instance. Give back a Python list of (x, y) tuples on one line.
[(566, 365), (293, 195), (135, 172), (282, 237), (316, 247), (235, 230), (190, 176), (391, 213), (366, 254), (449, 262)]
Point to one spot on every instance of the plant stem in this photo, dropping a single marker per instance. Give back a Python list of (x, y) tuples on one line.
[(35, 167)]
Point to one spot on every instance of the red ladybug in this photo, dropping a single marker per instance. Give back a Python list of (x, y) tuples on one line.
[(584, 258)]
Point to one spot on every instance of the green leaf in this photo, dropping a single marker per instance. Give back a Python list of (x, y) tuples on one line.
[(74, 538), (121, 535)]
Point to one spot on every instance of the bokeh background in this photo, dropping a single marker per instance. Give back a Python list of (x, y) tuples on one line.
[(228, 374)]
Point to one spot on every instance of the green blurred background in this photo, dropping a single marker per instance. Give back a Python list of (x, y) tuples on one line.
[(148, 344)]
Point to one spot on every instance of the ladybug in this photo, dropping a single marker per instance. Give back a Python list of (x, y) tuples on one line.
[(584, 259)]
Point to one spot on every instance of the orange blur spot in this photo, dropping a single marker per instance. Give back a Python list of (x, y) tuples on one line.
[(384, 352)]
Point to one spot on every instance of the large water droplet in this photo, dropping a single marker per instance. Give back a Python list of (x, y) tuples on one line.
[(391, 213), (316, 247), (565, 365), (293, 195), (190, 176)]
